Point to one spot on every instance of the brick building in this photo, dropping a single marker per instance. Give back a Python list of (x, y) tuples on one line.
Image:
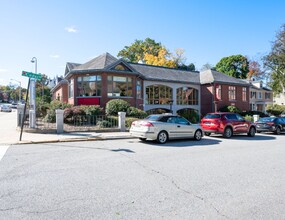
[(151, 88)]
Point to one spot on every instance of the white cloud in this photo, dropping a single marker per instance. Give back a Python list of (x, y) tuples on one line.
[(71, 29), (54, 56), (3, 70)]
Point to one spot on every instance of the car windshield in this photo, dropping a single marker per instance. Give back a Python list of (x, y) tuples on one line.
[(270, 119), (209, 116), (153, 117)]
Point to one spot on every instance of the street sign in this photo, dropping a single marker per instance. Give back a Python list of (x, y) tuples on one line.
[(32, 75)]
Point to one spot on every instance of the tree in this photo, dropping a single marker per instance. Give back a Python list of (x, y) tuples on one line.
[(153, 53), (138, 49), (255, 70), (162, 59), (235, 66), (207, 66), (275, 62)]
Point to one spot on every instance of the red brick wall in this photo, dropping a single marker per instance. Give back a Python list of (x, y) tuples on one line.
[(61, 93), (208, 97)]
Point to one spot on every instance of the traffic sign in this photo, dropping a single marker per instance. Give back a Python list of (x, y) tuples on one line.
[(32, 75)]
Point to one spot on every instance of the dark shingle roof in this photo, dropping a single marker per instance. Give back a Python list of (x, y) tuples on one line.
[(99, 62), (211, 76), (166, 74), (70, 66)]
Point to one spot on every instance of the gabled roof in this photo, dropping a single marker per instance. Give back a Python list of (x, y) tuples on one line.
[(212, 76), (104, 62), (149, 72), (70, 66), (100, 62)]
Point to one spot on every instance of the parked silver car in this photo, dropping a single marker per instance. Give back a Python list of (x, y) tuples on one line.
[(5, 108), (163, 127)]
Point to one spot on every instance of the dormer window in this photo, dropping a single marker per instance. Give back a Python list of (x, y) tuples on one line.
[(121, 67)]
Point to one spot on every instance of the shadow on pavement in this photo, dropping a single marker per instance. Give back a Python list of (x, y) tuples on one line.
[(184, 143), (244, 137)]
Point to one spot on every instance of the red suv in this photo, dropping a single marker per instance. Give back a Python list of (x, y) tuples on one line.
[(227, 123)]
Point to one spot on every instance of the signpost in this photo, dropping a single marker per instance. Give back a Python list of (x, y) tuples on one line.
[(32, 75), (32, 78)]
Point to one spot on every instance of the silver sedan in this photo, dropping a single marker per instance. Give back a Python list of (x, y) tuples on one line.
[(163, 127)]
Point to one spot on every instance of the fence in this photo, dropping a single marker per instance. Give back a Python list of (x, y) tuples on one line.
[(82, 123)]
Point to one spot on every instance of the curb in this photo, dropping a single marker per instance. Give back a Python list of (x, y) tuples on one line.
[(73, 140)]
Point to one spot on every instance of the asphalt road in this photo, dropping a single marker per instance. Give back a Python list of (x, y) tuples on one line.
[(216, 178)]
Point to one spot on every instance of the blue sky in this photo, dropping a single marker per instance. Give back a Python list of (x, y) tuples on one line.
[(60, 31)]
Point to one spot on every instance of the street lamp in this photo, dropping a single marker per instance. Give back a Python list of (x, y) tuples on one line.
[(34, 60), (20, 89)]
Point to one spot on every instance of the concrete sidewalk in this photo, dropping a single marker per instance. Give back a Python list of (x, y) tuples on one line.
[(9, 134)]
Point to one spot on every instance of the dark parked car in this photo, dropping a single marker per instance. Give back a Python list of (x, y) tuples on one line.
[(270, 124), (227, 124)]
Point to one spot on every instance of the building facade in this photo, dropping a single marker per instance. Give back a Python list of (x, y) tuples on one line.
[(260, 96), (151, 88)]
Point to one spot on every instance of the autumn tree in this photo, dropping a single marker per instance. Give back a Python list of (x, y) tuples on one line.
[(255, 70), (275, 62), (153, 53), (162, 59), (236, 66), (139, 48)]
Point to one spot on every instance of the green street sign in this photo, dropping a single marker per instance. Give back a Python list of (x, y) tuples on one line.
[(32, 75)]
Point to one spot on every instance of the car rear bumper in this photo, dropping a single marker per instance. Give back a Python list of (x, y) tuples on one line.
[(143, 134)]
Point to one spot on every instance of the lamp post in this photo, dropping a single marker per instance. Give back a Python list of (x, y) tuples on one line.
[(20, 89), (34, 60), (32, 113)]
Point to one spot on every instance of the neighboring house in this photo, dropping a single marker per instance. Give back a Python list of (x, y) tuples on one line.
[(260, 96), (279, 99), (219, 90), (151, 88)]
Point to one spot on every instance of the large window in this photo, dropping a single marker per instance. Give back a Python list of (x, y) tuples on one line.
[(70, 88), (158, 95), (219, 92), (187, 96), (89, 86), (232, 93), (119, 86), (244, 94)]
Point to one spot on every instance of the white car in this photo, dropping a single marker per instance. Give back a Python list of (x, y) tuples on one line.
[(5, 108), (163, 127)]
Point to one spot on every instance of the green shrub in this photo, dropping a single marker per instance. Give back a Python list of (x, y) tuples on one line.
[(51, 107), (230, 108), (275, 110), (116, 105), (104, 124), (248, 118), (135, 112), (129, 122), (92, 110)]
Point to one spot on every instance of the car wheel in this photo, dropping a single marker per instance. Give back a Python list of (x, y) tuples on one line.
[(142, 139), (198, 135), (162, 137), (278, 130), (207, 133), (251, 132), (228, 132)]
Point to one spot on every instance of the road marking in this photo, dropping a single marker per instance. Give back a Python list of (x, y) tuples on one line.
[(3, 150)]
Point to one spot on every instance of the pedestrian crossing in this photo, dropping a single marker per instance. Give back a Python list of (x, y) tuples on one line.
[(3, 150)]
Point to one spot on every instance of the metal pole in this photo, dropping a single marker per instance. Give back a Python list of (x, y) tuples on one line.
[(24, 114)]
